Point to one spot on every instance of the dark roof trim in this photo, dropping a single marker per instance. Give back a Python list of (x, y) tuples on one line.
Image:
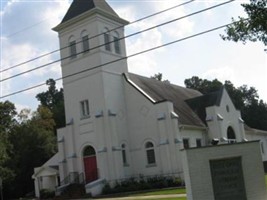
[(128, 80), (79, 7), (159, 92), (89, 13)]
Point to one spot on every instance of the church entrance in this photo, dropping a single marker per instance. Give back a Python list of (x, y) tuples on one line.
[(90, 165)]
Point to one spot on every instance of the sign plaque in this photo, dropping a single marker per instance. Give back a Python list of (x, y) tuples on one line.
[(227, 179)]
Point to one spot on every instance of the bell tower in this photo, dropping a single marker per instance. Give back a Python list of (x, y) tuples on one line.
[(93, 59), (91, 37)]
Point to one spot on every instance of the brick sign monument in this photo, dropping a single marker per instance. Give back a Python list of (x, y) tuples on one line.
[(229, 171)]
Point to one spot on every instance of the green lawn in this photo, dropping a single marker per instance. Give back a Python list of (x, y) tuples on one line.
[(168, 191), (148, 193), (162, 192), (179, 198)]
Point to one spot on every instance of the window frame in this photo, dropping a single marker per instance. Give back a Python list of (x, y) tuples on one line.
[(85, 110), (117, 46), (72, 49), (124, 155), (188, 143), (107, 41), (85, 44), (150, 154), (198, 142)]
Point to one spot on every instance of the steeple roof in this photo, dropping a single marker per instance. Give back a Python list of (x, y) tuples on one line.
[(79, 7)]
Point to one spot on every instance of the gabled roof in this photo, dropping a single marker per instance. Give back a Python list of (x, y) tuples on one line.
[(45, 171), (53, 161), (79, 7), (199, 104), (157, 91)]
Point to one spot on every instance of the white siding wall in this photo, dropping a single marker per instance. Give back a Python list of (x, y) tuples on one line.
[(144, 125), (102, 87), (218, 127), (262, 137), (193, 135)]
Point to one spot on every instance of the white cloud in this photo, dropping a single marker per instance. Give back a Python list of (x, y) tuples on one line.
[(148, 63), (144, 63), (127, 12), (30, 22), (20, 107), (178, 28), (33, 92), (54, 18), (221, 73)]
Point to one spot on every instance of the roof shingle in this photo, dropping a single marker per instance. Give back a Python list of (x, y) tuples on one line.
[(79, 7), (161, 91)]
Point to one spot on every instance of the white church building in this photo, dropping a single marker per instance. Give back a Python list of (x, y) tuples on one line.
[(119, 124)]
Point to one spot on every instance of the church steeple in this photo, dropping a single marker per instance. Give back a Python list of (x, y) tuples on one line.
[(92, 50), (79, 7), (91, 34), (83, 8)]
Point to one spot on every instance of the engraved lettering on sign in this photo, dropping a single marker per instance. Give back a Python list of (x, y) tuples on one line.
[(227, 179)]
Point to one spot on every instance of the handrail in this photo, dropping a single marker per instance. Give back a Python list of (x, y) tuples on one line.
[(73, 177)]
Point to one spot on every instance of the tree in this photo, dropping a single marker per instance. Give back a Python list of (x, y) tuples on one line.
[(204, 86), (7, 113), (53, 99), (255, 114), (254, 28), (159, 77), (253, 110), (7, 122), (34, 143)]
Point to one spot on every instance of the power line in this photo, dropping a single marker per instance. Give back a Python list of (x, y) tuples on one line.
[(136, 33), (26, 28), (135, 54), (138, 20)]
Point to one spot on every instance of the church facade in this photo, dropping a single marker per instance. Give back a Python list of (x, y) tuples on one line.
[(122, 125)]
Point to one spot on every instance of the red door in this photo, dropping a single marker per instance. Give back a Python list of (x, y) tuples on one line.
[(90, 168)]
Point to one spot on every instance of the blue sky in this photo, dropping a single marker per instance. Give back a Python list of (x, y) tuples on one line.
[(26, 33)]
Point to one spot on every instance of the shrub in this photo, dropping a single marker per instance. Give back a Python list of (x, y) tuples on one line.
[(46, 194), (131, 184), (106, 189)]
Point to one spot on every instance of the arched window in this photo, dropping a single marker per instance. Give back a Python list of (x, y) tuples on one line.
[(85, 41), (150, 153), (231, 135), (124, 156), (88, 151), (116, 41), (72, 47), (107, 40)]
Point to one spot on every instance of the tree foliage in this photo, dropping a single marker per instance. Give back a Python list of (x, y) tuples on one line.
[(27, 139), (7, 113), (159, 77), (253, 28), (31, 142), (7, 122), (34, 143), (53, 99), (253, 110)]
